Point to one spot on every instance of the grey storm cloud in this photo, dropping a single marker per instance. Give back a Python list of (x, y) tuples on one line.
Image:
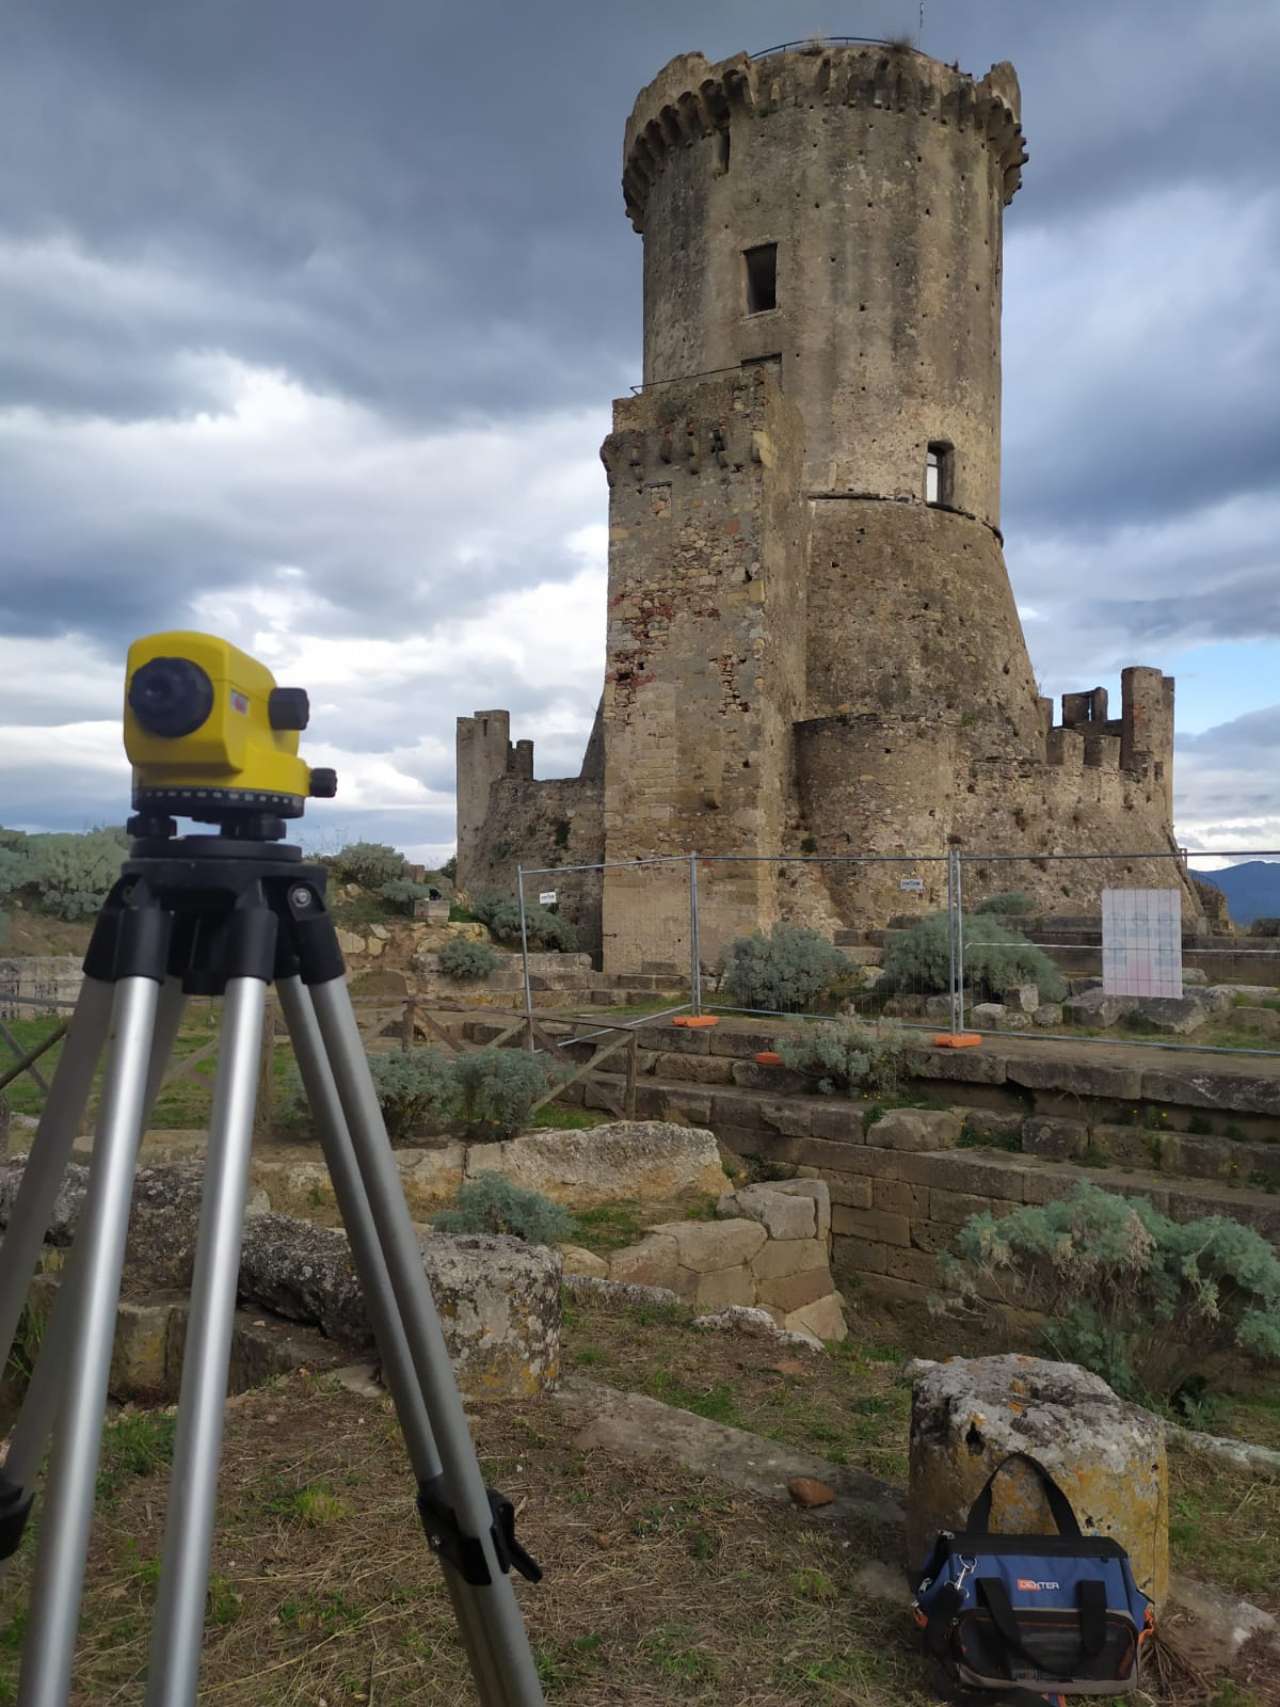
[(410, 213)]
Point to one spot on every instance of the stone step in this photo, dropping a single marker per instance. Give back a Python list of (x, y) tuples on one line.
[(652, 981)]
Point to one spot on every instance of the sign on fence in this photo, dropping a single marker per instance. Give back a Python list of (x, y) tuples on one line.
[(547, 898), (911, 885), (1142, 942)]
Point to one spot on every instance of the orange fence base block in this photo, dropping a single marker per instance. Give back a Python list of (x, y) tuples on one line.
[(696, 1021), (958, 1040), (768, 1058)]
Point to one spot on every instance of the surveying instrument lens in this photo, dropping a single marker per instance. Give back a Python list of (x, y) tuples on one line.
[(211, 737), (171, 697)]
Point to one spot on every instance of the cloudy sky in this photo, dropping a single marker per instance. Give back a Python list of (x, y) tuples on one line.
[(311, 313)]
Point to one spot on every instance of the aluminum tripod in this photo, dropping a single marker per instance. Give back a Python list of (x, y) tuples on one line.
[(217, 915)]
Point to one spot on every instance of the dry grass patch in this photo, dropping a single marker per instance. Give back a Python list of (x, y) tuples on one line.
[(658, 1589)]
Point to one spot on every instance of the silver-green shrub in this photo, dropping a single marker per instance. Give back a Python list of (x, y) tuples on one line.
[(369, 864), (73, 874), (497, 1089), (996, 958), (844, 1055), (489, 1203), (543, 928), (1145, 1302), (461, 959), (790, 970), (402, 892), (417, 1090)]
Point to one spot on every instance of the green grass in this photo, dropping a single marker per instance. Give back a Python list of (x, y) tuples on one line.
[(1222, 1525), (565, 1117), (184, 1104), (137, 1443)]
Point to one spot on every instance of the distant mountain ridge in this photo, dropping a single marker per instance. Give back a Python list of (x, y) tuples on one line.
[(1252, 889)]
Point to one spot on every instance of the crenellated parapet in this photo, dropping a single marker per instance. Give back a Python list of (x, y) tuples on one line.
[(692, 99), (1139, 741)]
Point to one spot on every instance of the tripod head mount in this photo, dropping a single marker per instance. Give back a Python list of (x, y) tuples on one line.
[(212, 737)]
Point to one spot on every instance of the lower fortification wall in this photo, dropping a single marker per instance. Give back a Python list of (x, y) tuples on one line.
[(559, 822)]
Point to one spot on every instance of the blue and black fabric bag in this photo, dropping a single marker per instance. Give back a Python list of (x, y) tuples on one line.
[(1034, 1615)]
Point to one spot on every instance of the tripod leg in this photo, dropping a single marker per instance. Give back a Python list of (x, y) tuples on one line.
[(375, 1285), (51, 1147), (461, 1487), (34, 1422), (184, 1573), (60, 1561)]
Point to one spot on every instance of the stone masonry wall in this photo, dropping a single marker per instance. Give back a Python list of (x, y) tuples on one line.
[(705, 654)]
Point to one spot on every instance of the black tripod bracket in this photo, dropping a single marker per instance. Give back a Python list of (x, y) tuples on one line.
[(447, 1541)]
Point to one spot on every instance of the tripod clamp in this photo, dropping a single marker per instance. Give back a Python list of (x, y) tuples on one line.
[(464, 1552)]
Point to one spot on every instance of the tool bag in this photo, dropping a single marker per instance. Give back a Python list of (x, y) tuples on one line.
[(1055, 1615)]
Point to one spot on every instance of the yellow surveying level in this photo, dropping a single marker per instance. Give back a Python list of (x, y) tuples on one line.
[(210, 735)]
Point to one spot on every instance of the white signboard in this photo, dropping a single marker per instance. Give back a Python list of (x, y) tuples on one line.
[(912, 885), (1142, 942), (547, 898)]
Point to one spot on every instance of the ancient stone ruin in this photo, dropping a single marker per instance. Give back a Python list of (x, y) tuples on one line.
[(812, 639)]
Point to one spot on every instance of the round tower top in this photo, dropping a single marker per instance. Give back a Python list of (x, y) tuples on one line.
[(691, 98), (835, 210)]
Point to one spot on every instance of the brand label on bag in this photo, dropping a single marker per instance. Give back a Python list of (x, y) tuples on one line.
[(1026, 1584)]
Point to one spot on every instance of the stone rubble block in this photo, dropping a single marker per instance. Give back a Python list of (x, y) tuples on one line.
[(915, 1129), (824, 1319), (1021, 998), (988, 1016), (651, 1262), (705, 1246), (498, 1298), (1056, 1140), (579, 1261), (1097, 1010), (1265, 1021), (1048, 1016), (781, 1257), (718, 1289), (817, 1191), (758, 1323), (645, 1159), (992, 1123), (783, 1215), (1106, 1455), (793, 1291)]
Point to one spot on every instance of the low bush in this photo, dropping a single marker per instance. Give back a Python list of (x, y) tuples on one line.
[(489, 1203), (460, 959), (1148, 1303), (543, 928), (845, 1055), (1007, 906), (790, 970), (417, 1090), (403, 893), (16, 870), (996, 958), (497, 1089), (369, 864), (449, 870), (72, 874)]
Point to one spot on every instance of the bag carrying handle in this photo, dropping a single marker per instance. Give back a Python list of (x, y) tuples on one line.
[(1091, 1599), (979, 1519)]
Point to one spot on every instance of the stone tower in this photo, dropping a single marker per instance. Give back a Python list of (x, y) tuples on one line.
[(812, 639)]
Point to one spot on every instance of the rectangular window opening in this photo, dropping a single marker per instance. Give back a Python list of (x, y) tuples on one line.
[(762, 277), (723, 145), (939, 468)]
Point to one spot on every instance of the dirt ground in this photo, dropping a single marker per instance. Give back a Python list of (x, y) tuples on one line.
[(660, 1587)]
